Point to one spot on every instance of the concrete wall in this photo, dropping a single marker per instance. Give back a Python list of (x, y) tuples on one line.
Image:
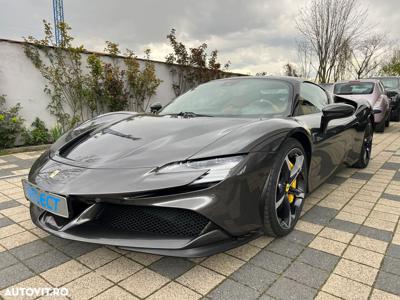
[(21, 82)]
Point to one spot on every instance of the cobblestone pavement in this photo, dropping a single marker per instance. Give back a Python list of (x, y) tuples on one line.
[(346, 245)]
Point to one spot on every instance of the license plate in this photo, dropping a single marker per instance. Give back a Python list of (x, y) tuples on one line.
[(50, 202)]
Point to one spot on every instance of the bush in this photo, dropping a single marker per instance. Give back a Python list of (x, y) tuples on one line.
[(11, 124), (38, 134), (56, 132)]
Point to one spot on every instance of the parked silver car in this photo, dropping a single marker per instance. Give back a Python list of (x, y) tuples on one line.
[(392, 87), (371, 90)]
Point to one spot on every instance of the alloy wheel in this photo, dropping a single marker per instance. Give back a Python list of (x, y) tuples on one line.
[(290, 188)]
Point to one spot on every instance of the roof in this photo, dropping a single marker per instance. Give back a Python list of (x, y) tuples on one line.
[(284, 78), (386, 77), (359, 80)]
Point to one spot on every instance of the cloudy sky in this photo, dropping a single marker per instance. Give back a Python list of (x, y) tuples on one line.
[(255, 35)]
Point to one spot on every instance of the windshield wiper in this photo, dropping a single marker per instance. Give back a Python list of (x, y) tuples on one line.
[(188, 114)]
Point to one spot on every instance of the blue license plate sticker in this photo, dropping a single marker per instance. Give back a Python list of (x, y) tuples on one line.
[(50, 202)]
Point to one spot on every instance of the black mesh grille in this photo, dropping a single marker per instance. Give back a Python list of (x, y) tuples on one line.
[(153, 220)]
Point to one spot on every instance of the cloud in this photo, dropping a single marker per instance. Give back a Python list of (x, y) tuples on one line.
[(255, 35)]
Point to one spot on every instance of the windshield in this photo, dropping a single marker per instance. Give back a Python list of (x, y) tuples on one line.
[(255, 97), (354, 88), (390, 83)]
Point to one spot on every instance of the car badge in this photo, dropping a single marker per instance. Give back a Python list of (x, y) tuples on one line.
[(54, 173)]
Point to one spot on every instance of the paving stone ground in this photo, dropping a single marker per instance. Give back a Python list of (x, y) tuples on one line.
[(346, 245)]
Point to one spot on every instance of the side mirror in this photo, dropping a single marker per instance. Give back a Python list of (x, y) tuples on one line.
[(155, 108), (335, 111)]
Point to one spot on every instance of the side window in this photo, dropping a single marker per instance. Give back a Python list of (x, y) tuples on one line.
[(312, 99)]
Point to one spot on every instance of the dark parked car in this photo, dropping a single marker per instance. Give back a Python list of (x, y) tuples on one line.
[(371, 90), (392, 87), (222, 164)]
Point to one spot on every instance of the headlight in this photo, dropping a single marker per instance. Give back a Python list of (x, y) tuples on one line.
[(215, 169)]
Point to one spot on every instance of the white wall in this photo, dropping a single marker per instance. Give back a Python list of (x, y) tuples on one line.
[(21, 82)]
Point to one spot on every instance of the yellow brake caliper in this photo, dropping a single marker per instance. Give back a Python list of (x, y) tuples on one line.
[(293, 185)]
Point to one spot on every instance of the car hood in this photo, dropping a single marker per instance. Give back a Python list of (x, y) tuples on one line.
[(118, 157), (370, 98), (143, 141)]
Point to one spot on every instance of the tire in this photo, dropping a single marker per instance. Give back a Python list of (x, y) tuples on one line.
[(395, 115), (281, 207), (380, 127), (366, 149), (387, 122)]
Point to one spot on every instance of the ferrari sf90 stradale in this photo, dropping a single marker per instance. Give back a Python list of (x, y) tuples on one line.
[(224, 163)]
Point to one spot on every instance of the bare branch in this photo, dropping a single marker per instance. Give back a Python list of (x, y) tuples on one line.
[(329, 27), (366, 56)]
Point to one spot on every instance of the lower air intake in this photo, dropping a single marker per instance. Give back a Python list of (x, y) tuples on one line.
[(152, 220)]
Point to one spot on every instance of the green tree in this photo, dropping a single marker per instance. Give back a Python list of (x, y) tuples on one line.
[(392, 66), (62, 68), (77, 93), (95, 101), (193, 66), (142, 84), (115, 92)]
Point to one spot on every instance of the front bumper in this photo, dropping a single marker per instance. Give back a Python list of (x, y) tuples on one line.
[(86, 228), (379, 115), (224, 215)]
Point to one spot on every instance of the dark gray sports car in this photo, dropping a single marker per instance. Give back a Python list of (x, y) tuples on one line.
[(222, 164)]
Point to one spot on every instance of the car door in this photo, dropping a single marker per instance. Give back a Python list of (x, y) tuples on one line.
[(330, 148)]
